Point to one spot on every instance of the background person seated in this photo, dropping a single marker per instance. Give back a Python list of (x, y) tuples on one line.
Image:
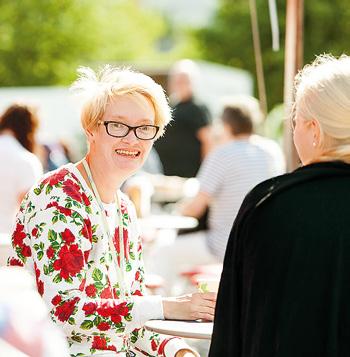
[(226, 176)]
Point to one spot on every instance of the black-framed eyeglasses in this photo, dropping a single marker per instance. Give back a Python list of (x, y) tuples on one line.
[(119, 130)]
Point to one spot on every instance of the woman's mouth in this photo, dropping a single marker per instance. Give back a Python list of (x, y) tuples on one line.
[(128, 153)]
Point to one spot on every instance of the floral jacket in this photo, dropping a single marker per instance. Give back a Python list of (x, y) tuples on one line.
[(59, 237)]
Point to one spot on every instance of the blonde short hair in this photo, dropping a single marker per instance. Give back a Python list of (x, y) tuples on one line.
[(322, 92), (98, 88)]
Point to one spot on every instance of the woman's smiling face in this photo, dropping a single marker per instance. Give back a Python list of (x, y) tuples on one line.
[(124, 155)]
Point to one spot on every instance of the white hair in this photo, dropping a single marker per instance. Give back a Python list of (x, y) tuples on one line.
[(322, 92)]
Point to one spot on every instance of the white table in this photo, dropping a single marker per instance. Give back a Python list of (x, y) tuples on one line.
[(187, 329), (168, 221)]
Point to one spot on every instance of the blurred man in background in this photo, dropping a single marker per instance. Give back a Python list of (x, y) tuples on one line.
[(187, 139)]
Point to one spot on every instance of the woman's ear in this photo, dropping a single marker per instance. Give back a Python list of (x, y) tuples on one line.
[(89, 135), (316, 131)]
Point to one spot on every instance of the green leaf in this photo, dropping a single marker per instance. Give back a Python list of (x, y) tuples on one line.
[(128, 317), (97, 320), (128, 267), (57, 278), (41, 245), (133, 339), (99, 285), (71, 321), (55, 245), (76, 338), (48, 189), (46, 270), (37, 191), (40, 254), (54, 219), (52, 235), (63, 218), (88, 209), (87, 325), (132, 255), (94, 239), (69, 280), (97, 274), (36, 246)]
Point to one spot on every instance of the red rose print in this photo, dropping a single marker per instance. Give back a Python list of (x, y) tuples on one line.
[(54, 179), (70, 261), (72, 190), (91, 290), (18, 235), (103, 326), (138, 293), (87, 230), (105, 310), (40, 286), (85, 199), (116, 319), (15, 262), (52, 204), (82, 285), (106, 293), (89, 308), (137, 276), (111, 348), (26, 251), (65, 211), (50, 252), (56, 300), (154, 345), (34, 232), (64, 311), (121, 309), (68, 236), (99, 343)]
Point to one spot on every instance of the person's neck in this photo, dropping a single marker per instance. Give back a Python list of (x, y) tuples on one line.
[(241, 137), (107, 184), (7, 132)]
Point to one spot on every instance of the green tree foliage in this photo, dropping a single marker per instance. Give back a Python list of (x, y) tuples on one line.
[(228, 38), (43, 41)]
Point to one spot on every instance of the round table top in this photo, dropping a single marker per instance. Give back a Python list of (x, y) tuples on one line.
[(187, 329), (168, 221)]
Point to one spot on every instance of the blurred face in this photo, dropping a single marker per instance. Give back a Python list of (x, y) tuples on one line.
[(306, 139), (180, 86), (122, 156)]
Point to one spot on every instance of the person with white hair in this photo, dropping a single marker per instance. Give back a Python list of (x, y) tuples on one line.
[(285, 285), (77, 233), (188, 138)]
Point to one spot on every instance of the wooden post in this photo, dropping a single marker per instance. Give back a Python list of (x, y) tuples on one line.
[(293, 61)]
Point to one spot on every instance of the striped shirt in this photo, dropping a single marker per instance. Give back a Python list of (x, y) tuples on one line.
[(227, 174)]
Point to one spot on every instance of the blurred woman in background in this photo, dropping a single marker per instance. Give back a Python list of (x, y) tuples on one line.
[(19, 167)]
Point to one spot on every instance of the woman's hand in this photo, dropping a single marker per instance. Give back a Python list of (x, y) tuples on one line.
[(190, 307), (185, 353)]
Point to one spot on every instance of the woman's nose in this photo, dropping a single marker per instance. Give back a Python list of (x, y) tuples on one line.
[(130, 137)]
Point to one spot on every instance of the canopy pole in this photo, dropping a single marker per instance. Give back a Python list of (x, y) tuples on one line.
[(293, 61)]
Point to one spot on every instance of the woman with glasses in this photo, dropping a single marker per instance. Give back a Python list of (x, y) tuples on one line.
[(285, 286), (78, 234)]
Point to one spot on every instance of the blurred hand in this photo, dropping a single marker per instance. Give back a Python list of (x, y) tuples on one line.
[(185, 353), (190, 307)]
